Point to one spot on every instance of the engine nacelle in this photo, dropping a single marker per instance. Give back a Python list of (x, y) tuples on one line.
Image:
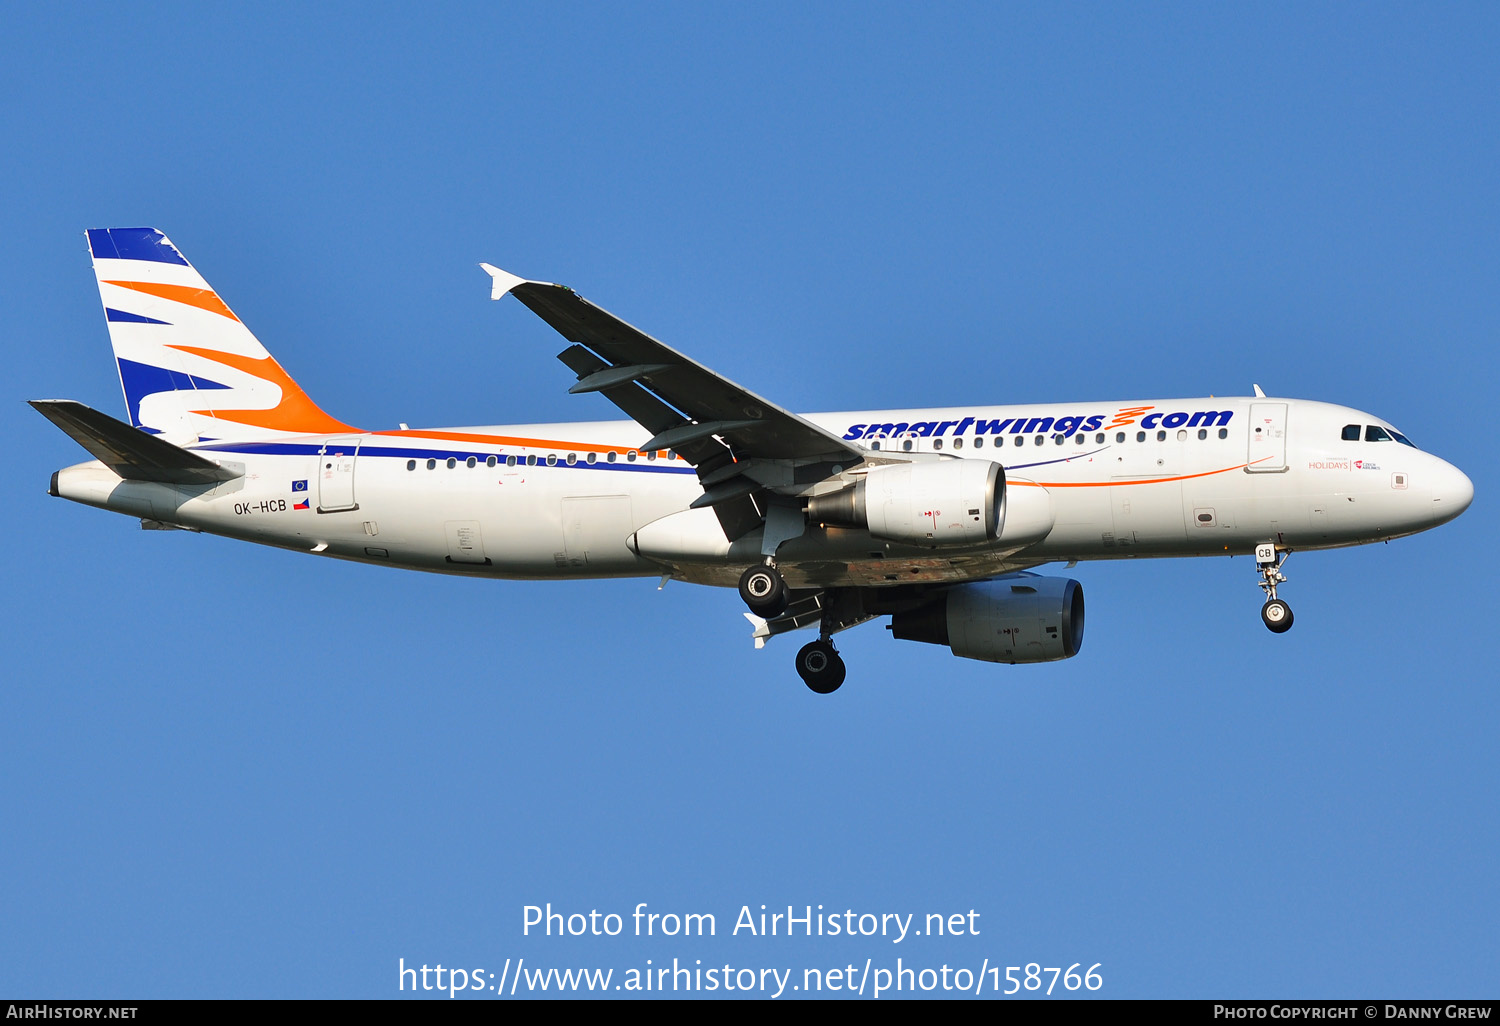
[(1021, 619), (948, 502)]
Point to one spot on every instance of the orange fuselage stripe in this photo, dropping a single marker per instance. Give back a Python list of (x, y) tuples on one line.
[(529, 443), (1131, 481)]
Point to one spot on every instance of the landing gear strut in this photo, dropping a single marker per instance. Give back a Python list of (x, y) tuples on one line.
[(820, 666), (1275, 614), (763, 590)]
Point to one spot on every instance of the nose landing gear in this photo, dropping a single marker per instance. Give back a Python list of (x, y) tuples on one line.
[(1275, 614)]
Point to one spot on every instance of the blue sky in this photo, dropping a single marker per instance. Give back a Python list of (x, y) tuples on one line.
[(233, 771)]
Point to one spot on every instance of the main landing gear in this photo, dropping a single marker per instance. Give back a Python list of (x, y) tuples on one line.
[(764, 591), (820, 666), (1275, 614)]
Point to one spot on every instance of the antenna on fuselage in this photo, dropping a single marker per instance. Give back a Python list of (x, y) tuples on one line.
[(1258, 393)]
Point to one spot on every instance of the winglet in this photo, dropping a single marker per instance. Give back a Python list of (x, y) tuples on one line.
[(501, 281)]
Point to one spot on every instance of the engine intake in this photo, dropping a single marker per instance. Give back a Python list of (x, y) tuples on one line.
[(1020, 619), (949, 502)]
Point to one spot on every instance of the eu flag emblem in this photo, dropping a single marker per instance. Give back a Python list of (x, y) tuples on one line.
[(299, 486)]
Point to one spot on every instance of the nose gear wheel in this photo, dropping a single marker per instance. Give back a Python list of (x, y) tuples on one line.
[(1275, 614)]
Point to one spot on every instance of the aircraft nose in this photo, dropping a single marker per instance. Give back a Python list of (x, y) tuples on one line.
[(1452, 491)]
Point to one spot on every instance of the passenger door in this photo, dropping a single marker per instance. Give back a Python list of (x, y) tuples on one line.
[(1267, 452)]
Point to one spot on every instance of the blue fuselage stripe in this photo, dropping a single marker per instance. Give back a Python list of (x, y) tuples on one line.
[(392, 452)]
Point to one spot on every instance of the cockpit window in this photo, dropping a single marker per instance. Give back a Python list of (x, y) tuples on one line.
[(1398, 436), (1376, 433), (1351, 432)]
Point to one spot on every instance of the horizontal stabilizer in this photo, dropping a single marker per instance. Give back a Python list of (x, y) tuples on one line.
[(129, 452)]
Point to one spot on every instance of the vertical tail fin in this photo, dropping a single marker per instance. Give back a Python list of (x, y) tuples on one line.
[(187, 365)]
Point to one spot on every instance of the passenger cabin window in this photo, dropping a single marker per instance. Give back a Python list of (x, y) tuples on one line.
[(1223, 432), (937, 443), (471, 462), (452, 462), (1140, 436), (1119, 436), (1376, 433), (411, 464), (958, 443), (1202, 434), (510, 461), (979, 443), (1351, 432)]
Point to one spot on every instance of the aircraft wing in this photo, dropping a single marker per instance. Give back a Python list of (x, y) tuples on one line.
[(683, 403)]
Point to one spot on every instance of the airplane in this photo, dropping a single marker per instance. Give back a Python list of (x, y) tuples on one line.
[(935, 518)]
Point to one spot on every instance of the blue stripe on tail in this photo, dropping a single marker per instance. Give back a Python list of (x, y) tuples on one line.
[(110, 313), (133, 244), (142, 379)]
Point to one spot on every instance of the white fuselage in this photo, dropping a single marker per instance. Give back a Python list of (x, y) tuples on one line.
[(1084, 481)]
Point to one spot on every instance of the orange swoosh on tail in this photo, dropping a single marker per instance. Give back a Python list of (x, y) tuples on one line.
[(296, 413), (203, 299)]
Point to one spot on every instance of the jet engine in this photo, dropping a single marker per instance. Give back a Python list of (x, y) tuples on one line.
[(949, 502), (1019, 619)]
